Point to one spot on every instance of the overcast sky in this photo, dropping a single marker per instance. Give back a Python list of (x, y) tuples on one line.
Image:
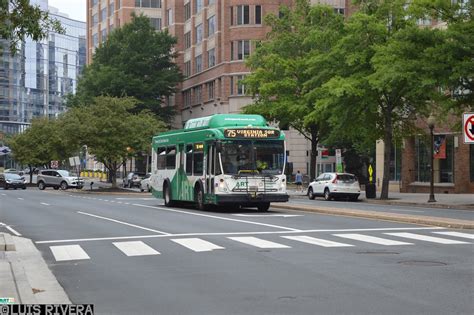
[(76, 9)]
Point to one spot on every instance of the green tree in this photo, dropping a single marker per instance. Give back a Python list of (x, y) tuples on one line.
[(135, 61), (41, 143), (110, 130), (19, 19), (280, 78), (384, 81)]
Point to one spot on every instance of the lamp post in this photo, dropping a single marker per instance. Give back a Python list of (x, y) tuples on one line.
[(431, 124)]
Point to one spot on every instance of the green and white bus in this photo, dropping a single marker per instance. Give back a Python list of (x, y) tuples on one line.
[(224, 159)]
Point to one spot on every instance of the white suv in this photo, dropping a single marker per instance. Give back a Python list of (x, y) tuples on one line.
[(58, 179), (335, 185)]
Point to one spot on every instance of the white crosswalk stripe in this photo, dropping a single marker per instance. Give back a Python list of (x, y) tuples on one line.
[(316, 241), (136, 248), (457, 234), (258, 242), (197, 244), (426, 238), (372, 239), (68, 252)]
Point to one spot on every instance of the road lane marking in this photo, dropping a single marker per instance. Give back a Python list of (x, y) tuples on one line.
[(4, 194), (316, 241), (403, 210), (124, 223), (267, 215), (20, 199), (135, 198), (217, 217), (371, 239), (137, 248), (228, 233), (426, 238), (68, 252), (457, 234), (12, 230), (258, 242), (197, 244), (45, 204)]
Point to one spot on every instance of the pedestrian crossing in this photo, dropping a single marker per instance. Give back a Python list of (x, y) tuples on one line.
[(198, 245)]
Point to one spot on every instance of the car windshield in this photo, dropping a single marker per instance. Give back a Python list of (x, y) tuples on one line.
[(253, 157), (64, 173), (12, 176)]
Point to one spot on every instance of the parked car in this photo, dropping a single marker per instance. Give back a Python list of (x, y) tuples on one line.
[(145, 183), (58, 179), (334, 186), (12, 180), (133, 179)]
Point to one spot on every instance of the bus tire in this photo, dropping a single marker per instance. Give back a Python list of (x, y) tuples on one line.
[(167, 195), (199, 193), (263, 207)]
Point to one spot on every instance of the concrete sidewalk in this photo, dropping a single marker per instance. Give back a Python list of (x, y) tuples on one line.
[(24, 275), (449, 201)]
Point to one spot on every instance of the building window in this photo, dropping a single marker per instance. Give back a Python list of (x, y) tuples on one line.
[(169, 14), (258, 14), (243, 50), (187, 40), (94, 2), (187, 68), (198, 32), (95, 19), (111, 9), (198, 62), (211, 2), (445, 163), (103, 14), (236, 85), (118, 4), (148, 3), (422, 161), (395, 163), (211, 58), (211, 25), (339, 10), (197, 94), (103, 35), (187, 11), (243, 14), (95, 39), (231, 16), (210, 90), (197, 5), (187, 98), (156, 23)]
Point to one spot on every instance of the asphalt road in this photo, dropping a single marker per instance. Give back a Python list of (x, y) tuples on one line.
[(128, 254)]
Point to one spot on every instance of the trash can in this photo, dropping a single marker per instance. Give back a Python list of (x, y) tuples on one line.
[(370, 191)]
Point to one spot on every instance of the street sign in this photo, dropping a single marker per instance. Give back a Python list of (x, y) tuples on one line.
[(468, 127), (371, 171)]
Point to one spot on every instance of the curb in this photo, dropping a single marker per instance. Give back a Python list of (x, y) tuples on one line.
[(6, 242), (395, 217)]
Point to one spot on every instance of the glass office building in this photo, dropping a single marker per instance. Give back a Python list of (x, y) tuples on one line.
[(36, 80)]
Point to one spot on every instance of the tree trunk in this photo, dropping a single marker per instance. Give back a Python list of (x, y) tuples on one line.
[(113, 174), (314, 153), (31, 174), (387, 152)]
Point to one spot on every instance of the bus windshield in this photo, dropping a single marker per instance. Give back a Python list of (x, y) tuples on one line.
[(250, 157)]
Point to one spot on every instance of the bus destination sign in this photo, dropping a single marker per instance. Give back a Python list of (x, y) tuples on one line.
[(251, 133)]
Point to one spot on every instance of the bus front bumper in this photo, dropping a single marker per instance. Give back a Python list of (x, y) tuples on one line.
[(251, 198)]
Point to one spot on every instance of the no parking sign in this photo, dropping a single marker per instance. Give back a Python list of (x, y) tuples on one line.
[(468, 127)]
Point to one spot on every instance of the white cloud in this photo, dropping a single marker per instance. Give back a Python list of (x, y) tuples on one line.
[(76, 9)]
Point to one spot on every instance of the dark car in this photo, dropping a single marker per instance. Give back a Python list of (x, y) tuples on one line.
[(12, 180), (133, 179)]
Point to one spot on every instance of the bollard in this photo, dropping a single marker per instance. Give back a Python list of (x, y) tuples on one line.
[(92, 183)]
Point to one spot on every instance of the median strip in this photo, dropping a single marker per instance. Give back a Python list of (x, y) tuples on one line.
[(395, 217)]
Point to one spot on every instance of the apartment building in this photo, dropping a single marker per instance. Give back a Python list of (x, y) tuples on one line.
[(215, 37)]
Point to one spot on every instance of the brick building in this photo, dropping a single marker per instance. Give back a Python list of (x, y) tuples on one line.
[(214, 39)]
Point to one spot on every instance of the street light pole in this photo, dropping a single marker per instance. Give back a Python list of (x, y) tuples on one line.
[(431, 124)]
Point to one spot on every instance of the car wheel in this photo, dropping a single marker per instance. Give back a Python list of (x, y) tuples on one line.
[(63, 185), (24, 187), (15, 188), (167, 196), (56, 187), (354, 198), (80, 187), (142, 190), (200, 199), (263, 207), (311, 194), (327, 194), (148, 188), (41, 186)]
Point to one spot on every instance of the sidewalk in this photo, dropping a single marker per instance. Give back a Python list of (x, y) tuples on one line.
[(24, 276), (459, 201)]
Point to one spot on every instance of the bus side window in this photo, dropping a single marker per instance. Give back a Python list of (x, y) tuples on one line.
[(189, 159), (198, 162), (161, 159), (171, 158)]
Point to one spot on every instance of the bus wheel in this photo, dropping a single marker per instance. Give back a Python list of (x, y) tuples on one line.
[(200, 199), (167, 196), (262, 207)]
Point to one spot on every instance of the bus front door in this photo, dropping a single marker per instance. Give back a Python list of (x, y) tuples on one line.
[(210, 169)]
